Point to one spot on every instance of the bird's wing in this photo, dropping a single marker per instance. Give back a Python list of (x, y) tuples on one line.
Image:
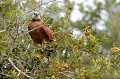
[(46, 30)]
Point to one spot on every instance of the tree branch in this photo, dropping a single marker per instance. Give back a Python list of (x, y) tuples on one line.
[(1, 31), (19, 71)]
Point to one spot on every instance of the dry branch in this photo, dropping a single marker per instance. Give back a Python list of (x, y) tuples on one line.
[(1, 31), (19, 71)]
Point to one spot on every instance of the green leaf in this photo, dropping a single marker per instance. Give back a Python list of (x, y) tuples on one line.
[(0, 9)]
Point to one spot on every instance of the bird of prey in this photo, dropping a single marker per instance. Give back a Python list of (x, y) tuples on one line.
[(39, 32)]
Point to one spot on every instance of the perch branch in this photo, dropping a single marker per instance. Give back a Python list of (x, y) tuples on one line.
[(19, 71)]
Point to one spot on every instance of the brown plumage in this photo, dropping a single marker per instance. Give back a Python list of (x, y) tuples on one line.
[(39, 32)]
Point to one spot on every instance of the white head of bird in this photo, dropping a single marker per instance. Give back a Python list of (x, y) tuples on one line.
[(35, 15)]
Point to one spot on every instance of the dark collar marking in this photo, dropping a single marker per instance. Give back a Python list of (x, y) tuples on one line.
[(35, 20)]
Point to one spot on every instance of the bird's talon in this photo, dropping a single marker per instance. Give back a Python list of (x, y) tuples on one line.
[(42, 50)]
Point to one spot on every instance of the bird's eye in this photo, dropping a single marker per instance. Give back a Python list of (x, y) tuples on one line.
[(34, 13)]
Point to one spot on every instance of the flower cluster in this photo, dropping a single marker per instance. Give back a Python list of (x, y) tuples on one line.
[(115, 49), (87, 31)]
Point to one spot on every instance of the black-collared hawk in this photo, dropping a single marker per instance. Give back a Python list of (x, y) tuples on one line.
[(39, 31)]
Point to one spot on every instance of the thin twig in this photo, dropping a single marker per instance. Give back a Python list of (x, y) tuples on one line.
[(4, 74), (30, 31), (19, 71), (65, 75), (1, 31)]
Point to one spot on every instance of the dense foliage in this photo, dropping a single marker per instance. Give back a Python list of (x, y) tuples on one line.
[(87, 56)]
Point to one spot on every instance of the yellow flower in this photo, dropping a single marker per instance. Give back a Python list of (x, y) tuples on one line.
[(38, 55), (115, 49), (87, 30)]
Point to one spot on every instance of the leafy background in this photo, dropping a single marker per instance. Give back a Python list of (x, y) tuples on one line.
[(94, 54)]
